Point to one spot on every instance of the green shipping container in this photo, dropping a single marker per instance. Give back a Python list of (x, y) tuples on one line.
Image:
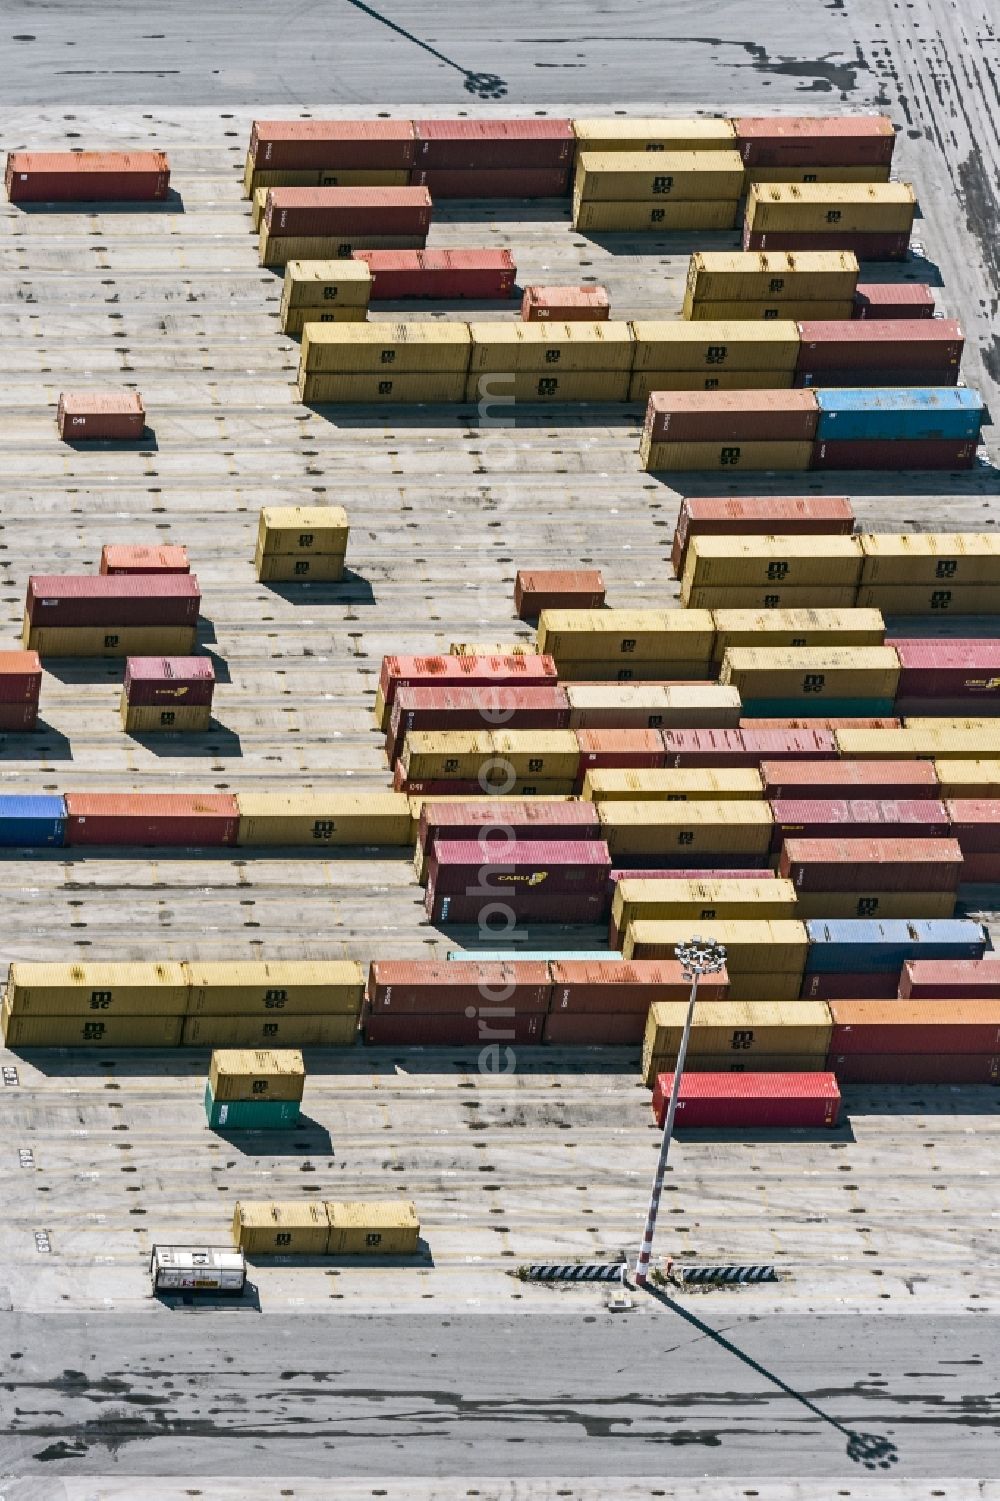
[(250, 1115)]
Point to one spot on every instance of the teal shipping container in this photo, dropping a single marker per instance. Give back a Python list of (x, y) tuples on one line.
[(250, 1115), (832, 708)]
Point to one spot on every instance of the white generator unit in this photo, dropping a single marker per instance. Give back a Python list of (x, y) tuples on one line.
[(200, 1269)]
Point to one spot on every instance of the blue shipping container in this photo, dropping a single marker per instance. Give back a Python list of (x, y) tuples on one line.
[(899, 413), (31, 821), (855, 945), (491, 956)]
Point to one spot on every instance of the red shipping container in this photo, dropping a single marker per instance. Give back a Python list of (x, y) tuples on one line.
[(814, 818), (975, 823), (496, 707), (462, 822), (908, 1026), (879, 376), (875, 453), (398, 274), (981, 869), (354, 144), (513, 182), (624, 750), (473, 672), (745, 747), (336, 211), (485, 1030), (494, 914), (169, 680), (538, 589), (827, 779), (87, 176), (565, 304), (20, 677), (129, 558), (749, 1100), (950, 979), (100, 599), (491, 145), (151, 818), (815, 141), (943, 667), (821, 724), (894, 246), (495, 869), (915, 1068), (15, 717), (767, 515), (407, 987), (96, 415), (864, 865), (889, 343), (587, 985), (589, 1029), (731, 416), (893, 299), (850, 986)]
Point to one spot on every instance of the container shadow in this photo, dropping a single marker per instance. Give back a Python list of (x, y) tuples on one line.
[(485, 210), (422, 1258), (85, 670), (352, 589), (921, 1099), (215, 741), (248, 1301), (765, 1134), (457, 305), (680, 243), (219, 665), (984, 481), (307, 1139), (442, 416), (146, 446), (206, 630), (44, 743), (173, 203)]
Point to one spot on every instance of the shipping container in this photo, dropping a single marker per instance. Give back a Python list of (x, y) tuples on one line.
[(859, 818), (447, 708), (257, 1074), (87, 176), (250, 1115), (765, 947), (731, 416), (539, 385), (565, 304), (435, 1029), (97, 415), (804, 722), (465, 821), (908, 1026), (283, 987), (912, 558), (662, 345), (332, 143), (46, 989), (726, 312), (855, 945), (916, 1068), (490, 755), (90, 1030), (916, 414), (894, 246), (837, 140), (621, 749), (109, 641), (749, 1101), (147, 719), (776, 561), (680, 832), (597, 706), (933, 599), (779, 276), (323, 819), (169, 681), (866, 864), (882, 208), (594, 987), (646, 638), (373, 1227), (278, 250), (778, 630), (803, 780), (509, 182), (453, 274), (686, 457), (772, 598), (950, 980), (811, 674), (120, 600), (967, 779), (638, 900), (393, 348), (863, 902), (538, 589), (846, 985), (620, 133), (325, 284), (893, 299), (501, 867), (271, 1031), (20, 678), (493, 145), (894, 344), (151, 818), (966, 669), (657, 216), (296, 530), (613, 784), (297, 1228), (747, 747), (722, 1028), (140, 558), (636, 176), (503, 956), (930, 744), (769, 515), (31, 820), (405, 987), (371, 389), (614, 1029), (487, 672), (646, 383), (337, 211), (510, 348)]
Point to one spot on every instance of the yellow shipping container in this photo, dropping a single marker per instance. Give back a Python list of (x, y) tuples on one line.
[(909, 744), (293, 530), (748, 985), (269, 1031), (320, 283), (278, 250), (876, 172), (543, 348), (724, 1028), (491, 649), (673, 785), (637, 635), (811, 672), (680, 345), (807, 627), (366, 1228), (726, 312), (618, 706), (294, 320), (867, 207), (383, 389), (988, 725), (266, 1228), (321, 177), (636, 899), (634, 176), (682, 829), (109, 640), (876, 905), (735, 1063), (972, 778), (750, 561), (279, 987), (150, 719), (916, 559), (932, 599), (438, 348), (257, 1074), (660, 217), (774, 275), (615, 670), (775, 597), (643, 383), (684, 457), (768, 948), (545, 755), (617, 133), (90, 1030), (317, 568), (323, 818), (570, 385), (258, 204), (43, 989)]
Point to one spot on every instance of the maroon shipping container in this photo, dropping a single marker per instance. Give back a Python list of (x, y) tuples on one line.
[(96, 415), (908, 1026), (815, 141), (461, 822), (826, 779), (170, 681), (136, 558), (946, 708), (87, 176), (589, 304), (749, 1100), (589, 1029), (975, 823), (850, 986), (623, 750), (864, 865), (893, 246), (406, 987), (122, 599), (746, 747), (20, 677), (876, 453), (521, 867), (915, 1068), (336, 211), (950, 979), (967, 669), (512, 182), (814, 818), (889, 343), (767, 515), (473, 672), (587, 985), (731, 416), (893, 299), (494, 915), (348, 144), (820, 724), (15, 717), (436, 1030), (495, 707), (981, 869), (493, 145), (151, 818), (398, 274), (538, 589), (878, 377)]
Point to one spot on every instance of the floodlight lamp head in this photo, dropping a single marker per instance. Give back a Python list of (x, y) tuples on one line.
[(700, 956)]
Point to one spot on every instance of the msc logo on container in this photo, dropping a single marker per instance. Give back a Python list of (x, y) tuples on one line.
[(946, 568), (742, 1040), (814, 682), (716, 354), (275, 999), (663, 184), (100, 1000), (323, 828)]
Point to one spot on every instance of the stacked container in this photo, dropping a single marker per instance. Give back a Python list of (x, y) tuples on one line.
[(882, 352), (20, 688), (426, 1003), (862, 957), (90, 1005), (85, 615), (765, 958), (787, 515), (775, 631), (662, 191), (930, 573), (301, 544), (466, 158), (522, 671), (738, 1036), (605, 1002), (623, 133), (727, 899), (87, 176), (580, 361), (915, 1041), (93, 416), (891, 299), (791, 681), (719, 356), (321, 820), (793, 148), (724, 285), (622, 645), (331, 223), (874, 220), (469, 763), (390, 362), (875, 877), (950, 676), (167, 693), (704, 832), (452, 274), (447, 708), (557, 819), (929, 427), (531, 880), (758, 429), (328, 153), (324, 292), (282, 1003), (768, 573), (254, 1090)]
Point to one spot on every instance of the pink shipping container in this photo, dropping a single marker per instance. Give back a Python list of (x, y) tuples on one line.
[(473, 672), (348, 144), (731, 416), (909, 1026), (867, 247), (915, 1068), (123, 599), (893, 299), (589, 1029), (484, 1030), (859, 818), (398, 274), (850, 986), (890, 343), (87, 176), (492, 145), (20, 677), (767, 515), (864, 865), (821, 724), (100, 415), (559, 867), (494, 914), (975, 823), (423, 986), (147, 818), (828, 779), (587, 985), (875, 453), (463, 822), (623, 750), (749, 1100), (502, 707), (950, 979), (815, 141), (135, 558), (335, 211), (511, 182), (565, 304), (745, 747), (170, 681), (966, 669)]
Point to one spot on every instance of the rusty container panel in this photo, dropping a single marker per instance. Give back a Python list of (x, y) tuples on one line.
[(87, 176), (487, 146), (405, 987), (99, 599), (861, 865), (301, 212), (144, 818), (331, 143), (950, 979)]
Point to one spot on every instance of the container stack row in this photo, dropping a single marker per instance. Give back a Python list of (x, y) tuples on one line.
[(252, 1089), (111, 615), (816, 286), (303, 1227), (298, 543)]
